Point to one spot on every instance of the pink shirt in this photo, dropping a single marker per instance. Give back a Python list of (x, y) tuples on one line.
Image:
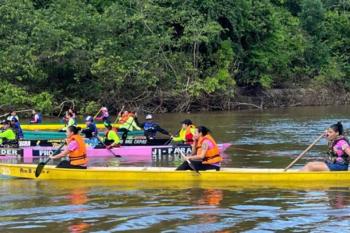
[(73, 145)]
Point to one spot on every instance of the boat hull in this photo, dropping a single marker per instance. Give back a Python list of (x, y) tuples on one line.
[(55, 135), (153, 174), (140, 152)]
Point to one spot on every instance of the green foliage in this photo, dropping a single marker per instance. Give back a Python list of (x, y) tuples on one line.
[(91, 108), (108, 52)]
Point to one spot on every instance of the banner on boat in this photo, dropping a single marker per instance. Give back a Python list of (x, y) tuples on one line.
[(11, 152), (39, 153), (27, 143), (170, 153)]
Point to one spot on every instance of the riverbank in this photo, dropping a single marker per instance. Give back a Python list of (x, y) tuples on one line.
[(274, 98)]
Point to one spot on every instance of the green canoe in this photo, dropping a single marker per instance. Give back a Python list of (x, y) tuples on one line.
[(50, 135)]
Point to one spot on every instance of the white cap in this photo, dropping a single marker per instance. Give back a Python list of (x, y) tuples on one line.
[(89, 118), (104, 109), (149, 117)]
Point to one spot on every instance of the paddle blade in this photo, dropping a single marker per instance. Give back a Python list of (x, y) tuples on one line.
[(39, 168)]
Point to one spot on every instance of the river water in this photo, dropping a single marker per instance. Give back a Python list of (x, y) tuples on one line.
[(261, 139)]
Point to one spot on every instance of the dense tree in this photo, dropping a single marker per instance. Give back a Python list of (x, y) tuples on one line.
[(167, 55)]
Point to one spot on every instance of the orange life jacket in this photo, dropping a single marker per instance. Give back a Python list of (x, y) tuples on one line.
[(78, 156), (212, 155), (123, 118)]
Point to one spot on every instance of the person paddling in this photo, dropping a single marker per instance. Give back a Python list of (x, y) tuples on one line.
[(151, 128), (104, 116), (186, 132), (36, 117), (16, 126), (205, 152), (111, 137), (8, 136), (12, 115), (338, 152), (70, 121), (129, 125), (76, 150), (91, 129)]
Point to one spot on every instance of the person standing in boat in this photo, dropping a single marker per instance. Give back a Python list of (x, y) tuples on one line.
[(8, 135), (104, 116), (76, 150), (186, 133), (205, 152), (151, 128), (338, 152), (36, 117), (111, 137)]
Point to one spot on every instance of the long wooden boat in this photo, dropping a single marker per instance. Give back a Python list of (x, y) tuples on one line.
[(140, 152), (56, 126), (50, 135), (154, 174)]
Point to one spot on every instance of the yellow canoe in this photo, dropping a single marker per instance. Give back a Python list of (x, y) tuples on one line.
[(56, 127), (162, 174)]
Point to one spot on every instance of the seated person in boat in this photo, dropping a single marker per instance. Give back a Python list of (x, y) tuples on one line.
[(36, 117), (185, 133), (151, 128), (205, 152), (91, 129), (12, 115), (338, 152), (129, 125), (16, 126), (8, 136), (104, 116), (70, 121), (76, 150), (111, 137)]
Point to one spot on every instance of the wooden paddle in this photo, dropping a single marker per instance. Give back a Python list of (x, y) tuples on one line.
[(118, 116), (41, 165), (188, 161), (304, 152), (97, 113), (110, 150)]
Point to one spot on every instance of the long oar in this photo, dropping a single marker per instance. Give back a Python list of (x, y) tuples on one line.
[(110, 150), (118, 116), (41, 165), (188, 161), (304, 152)]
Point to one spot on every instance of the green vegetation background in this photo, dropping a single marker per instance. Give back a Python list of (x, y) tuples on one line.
[(167, 55)]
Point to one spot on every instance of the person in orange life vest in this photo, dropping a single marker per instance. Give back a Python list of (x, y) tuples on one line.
[(123, 117), (186, 133), (76, 150), (205, 152)]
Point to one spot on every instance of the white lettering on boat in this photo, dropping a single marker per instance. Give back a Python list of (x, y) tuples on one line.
[(10, 152)]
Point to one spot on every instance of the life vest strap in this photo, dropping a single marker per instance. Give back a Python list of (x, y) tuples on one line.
[(77, 158)]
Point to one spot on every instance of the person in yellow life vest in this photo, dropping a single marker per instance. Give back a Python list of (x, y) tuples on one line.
[(8, 136), (76, 150), (205, 152), (112, 139), (186, 132)]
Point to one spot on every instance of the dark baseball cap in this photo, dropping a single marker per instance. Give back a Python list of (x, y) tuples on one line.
[(186, 122)]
